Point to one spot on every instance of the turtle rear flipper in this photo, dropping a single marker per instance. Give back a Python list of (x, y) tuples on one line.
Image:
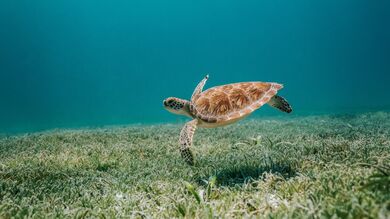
[(280, 103)]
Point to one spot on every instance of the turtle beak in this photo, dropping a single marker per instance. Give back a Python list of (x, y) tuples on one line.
[(165, 103)]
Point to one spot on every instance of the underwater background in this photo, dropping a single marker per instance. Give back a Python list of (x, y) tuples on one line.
[(66, 64)]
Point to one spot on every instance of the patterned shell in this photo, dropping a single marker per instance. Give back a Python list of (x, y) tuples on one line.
[(232, 101)]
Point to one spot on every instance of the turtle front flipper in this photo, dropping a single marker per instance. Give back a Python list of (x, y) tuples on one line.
[(199, 88), (186, 136)]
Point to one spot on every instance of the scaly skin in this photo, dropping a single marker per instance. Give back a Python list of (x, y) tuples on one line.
[(186, 135)]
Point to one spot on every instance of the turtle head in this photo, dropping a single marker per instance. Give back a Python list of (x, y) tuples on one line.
[(177, 106)]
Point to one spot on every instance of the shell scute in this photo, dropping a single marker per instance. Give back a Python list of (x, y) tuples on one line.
[(245, 85), (255, 93), (220, 103), (227, 87), (238, 99), (203, 105)]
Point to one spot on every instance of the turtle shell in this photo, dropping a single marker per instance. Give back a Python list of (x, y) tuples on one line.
[(232, 101)]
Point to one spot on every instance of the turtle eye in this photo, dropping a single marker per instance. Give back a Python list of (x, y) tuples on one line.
[(170, 101)]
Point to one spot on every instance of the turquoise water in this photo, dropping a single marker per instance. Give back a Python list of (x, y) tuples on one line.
[(92, 63)]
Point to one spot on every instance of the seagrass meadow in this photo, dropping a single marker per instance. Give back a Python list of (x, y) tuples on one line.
[(331, 166)]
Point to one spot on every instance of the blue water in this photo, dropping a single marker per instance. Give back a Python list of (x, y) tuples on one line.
[(69, 63)]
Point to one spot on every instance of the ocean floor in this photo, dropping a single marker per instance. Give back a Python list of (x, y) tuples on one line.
[(302, 167)]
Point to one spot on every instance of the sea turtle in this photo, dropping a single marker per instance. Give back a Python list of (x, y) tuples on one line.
[(222, 105)]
